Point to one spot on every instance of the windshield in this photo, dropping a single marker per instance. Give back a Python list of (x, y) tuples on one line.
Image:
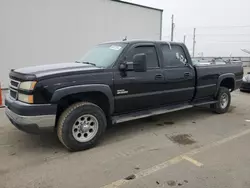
[(103, 55)]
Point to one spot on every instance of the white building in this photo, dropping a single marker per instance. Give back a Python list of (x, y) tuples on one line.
[(35, 32)]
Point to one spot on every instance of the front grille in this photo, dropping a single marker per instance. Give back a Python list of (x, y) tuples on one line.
[(13, 94), (14, 84)]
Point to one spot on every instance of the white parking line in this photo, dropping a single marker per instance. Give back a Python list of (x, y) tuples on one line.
[(146, 172), (176, 160), (192, 161)]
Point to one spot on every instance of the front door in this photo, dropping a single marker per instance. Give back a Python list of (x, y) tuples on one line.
[(139, 90)]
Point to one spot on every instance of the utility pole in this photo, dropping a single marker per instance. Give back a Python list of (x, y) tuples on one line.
[(194, 42), (184, 40), (172, 28)]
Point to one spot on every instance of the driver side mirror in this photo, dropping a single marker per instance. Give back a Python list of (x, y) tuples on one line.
[(140, 62)]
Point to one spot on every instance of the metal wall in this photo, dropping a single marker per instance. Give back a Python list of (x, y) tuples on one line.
[(34, 32)]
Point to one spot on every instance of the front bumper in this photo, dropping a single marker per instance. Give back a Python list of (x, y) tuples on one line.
[(245, 86), (30, 118)]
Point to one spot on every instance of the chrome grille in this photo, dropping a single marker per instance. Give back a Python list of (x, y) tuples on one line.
[(13, 94), (14, 85)]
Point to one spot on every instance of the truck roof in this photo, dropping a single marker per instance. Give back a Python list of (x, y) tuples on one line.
[(144, 41)]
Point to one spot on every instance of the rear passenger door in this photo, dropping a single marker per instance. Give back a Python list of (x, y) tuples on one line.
[(179, 77)]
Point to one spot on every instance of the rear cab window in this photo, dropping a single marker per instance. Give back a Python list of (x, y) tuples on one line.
[(173, 55)]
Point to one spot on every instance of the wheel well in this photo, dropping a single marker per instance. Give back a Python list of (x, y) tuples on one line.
[(228, 83), (97, 98)]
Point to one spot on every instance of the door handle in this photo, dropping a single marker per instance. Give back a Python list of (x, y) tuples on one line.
[(187, 74), (159, 77)]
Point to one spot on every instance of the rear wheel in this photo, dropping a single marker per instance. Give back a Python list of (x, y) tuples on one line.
[(224, 101), (81, 126)]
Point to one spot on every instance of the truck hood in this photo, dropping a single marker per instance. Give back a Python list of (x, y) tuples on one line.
[(37, 72)]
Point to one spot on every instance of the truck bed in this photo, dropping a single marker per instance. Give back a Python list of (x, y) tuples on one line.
[(207, 77)]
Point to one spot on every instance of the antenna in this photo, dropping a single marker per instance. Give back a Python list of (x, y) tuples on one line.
[(169, 45), (125, 38)]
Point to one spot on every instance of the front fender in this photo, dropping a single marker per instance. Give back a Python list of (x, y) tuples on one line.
[(105, 89)]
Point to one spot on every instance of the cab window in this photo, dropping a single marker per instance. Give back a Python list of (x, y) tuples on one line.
[(174, 56), (150, 51)]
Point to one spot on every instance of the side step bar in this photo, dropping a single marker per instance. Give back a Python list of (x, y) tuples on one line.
[(157, 111), (148, 113), (204, 103)]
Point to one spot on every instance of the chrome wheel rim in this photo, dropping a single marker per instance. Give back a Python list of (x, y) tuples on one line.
[(224, 100), (85, 128)]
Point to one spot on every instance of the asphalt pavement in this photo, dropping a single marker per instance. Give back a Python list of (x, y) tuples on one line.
[(190, 148)]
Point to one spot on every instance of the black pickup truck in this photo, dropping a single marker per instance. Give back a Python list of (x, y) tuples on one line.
[(115, 82)]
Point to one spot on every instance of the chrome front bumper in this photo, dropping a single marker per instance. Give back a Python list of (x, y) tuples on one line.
[(30, 118), (31, 124)]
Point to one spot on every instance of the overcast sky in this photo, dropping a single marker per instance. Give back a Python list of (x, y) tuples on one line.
[(223, 26)]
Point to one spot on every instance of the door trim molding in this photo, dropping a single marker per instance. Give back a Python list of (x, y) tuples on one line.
[(154, 93)]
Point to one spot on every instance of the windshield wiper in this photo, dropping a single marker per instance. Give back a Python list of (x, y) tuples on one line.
[(86, 62)]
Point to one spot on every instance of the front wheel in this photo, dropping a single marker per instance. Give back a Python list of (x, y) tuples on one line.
[(224, 101), (81, 126)]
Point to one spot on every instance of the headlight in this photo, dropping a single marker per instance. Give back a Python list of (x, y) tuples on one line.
[(26, 98), (244, 79), (29, 86)]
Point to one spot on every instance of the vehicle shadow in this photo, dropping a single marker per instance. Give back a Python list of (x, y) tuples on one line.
[(134, 128), (23, 141), (48, 141)]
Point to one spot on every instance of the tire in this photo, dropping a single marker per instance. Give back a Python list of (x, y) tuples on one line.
[(224, 101), (85, 119)]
